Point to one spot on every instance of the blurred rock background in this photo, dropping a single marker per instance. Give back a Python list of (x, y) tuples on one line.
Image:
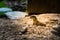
[(11, 6), (17, 5)]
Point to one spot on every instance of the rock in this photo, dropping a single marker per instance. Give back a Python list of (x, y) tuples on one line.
[(5, 9), (16, 14)]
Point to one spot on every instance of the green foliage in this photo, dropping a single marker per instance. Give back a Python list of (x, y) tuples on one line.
[(2, 4), (2, 13)]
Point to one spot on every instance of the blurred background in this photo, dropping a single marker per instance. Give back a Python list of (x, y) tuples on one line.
[(12, 5), (16, 5)]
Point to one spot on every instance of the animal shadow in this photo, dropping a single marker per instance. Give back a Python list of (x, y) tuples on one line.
[(57, 31)]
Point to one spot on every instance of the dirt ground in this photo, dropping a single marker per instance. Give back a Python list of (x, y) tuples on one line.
[(23, 28)]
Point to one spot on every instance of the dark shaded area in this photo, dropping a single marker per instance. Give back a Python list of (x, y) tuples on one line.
[(1, 0), (40, 13), (43, 6), (4, 16), (57, 31), (18, 8), (34, 14)]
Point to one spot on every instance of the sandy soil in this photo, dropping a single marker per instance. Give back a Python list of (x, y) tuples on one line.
[(23, 28)]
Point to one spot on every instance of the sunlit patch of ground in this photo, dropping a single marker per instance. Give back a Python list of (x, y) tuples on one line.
[(23, 29)]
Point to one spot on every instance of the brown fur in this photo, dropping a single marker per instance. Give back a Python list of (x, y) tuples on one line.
[(36, 22)]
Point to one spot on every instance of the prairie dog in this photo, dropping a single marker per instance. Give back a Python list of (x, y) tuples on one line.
[(36, 22)]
